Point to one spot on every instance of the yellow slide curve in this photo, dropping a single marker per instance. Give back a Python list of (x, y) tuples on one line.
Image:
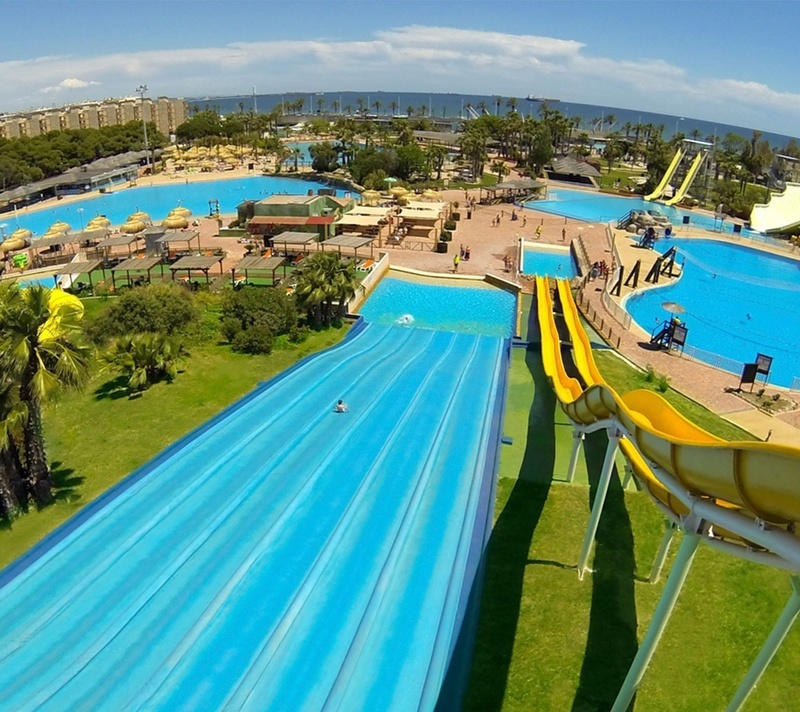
[(688, 180), (748, 491), (662, 186)]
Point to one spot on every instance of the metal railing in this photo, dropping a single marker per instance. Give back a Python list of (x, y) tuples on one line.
[(614, 309)]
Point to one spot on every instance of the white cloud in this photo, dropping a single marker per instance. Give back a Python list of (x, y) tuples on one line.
[(70, 83), (411, 58)]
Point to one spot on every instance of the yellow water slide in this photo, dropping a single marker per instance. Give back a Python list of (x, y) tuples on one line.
[(689, 179), (662, 186), (740, 497)]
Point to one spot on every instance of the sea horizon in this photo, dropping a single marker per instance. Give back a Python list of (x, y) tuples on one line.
[(443, 105)]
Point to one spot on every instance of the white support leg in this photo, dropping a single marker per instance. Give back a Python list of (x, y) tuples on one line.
[(663, 550), (666, 603), (577, 441), (774, 642), (599, 501)]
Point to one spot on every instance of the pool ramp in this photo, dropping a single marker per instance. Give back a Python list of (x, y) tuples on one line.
[(283, 556)]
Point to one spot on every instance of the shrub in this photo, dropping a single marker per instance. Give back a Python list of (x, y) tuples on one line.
[(298, 334), (230, 328), (446, 235), (662, 383), (450, 225), (258, 339), (257, 305), (455, 217), (144, 359), (159, 308)]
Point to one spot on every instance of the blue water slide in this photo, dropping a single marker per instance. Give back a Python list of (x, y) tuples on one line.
[(284, 557)]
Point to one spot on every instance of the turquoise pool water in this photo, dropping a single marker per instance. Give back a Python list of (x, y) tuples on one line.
[(739, 301), (159, 200), (548, 263), (473, 310), (596, 207)]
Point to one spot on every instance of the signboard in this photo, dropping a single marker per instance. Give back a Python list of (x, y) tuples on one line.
[(764, 363), (749, 372), (679, 334)]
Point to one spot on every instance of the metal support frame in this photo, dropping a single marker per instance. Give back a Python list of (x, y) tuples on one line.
[(774, 642), (663, 550), (577, 440), (614, 436), (672, 589)]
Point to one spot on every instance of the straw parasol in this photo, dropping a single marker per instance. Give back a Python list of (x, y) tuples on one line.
[(430, 195), (174, 222), (99, 221), (133, 226), (59, 226), (180, 210), (398, 191), (370, 197), (20, 234), (139, 215)]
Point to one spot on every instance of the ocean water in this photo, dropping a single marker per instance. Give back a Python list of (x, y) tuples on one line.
[(454, 106)]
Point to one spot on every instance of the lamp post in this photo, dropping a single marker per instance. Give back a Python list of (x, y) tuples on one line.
[(140, 90)]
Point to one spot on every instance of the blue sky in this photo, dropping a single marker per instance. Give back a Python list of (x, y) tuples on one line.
[(721, 60)]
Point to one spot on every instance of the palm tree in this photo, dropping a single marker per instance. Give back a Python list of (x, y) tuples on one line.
[(409, 111), (393, 106), (501, 169), (377, 105), (335, 106), (144, 359), (40, 351), (13, 493), (325, 284), (320, 104), (436, 155)]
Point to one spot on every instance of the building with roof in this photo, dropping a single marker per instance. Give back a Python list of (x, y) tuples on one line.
[(303, 213)]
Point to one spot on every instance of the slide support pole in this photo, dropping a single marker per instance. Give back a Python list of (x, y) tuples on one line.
[(672, 589), (663, 550), (577, 441), (599, 500), (774, 642)]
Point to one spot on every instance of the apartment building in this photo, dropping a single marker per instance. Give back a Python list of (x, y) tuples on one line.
[(165, 112)]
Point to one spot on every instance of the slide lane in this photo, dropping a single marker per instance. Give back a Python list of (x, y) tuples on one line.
[(780, 214), (688, 180), (746, 482), (182, 586), (662, 186)]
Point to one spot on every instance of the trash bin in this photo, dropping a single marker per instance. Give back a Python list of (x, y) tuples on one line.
[(685, 219), (441, 247)]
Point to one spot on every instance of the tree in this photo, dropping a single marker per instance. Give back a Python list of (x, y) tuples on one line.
[(410, 162), (144, 359), (13, 493), (40, 351), (436, 155), (501, 169), (324, 286), (324, 157)]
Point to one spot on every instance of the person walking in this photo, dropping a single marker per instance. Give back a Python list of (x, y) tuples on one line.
[(456, 260), (538, 231)]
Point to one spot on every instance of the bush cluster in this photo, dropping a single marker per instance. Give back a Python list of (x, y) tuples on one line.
[(252, 318)]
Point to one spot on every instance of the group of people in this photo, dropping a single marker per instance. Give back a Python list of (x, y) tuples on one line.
[(599, 269), (464, 252), (509, 263)]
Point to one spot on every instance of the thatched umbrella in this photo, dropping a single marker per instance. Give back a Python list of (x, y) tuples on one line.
[(20, 234), (60, 226), (430, 195), (370, 197), (175, 222), (99, 221), (139, 215), (398, 191), (133, 226), (180, 210)]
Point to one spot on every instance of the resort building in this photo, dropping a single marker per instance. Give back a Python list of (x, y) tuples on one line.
[(304, 213), (166, 113)]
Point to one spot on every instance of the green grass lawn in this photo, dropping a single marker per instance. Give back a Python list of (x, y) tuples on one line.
[(547, 641), (97, 436)]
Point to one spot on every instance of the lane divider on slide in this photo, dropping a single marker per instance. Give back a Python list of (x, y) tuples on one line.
[(741, 497)]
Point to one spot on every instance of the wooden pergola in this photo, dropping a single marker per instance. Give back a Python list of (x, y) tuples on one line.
[(82, 267), (294, 240), (196, 263), (117, 241), (60, 241), (259, 264), (355, 243), (171, 237), (137, 264)]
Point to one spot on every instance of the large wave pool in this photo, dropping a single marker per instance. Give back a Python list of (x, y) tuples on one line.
[(158, 201), (597, 207), (739, 301), (479, 309)]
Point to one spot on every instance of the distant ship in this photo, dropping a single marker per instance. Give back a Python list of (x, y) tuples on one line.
[(542, 99)]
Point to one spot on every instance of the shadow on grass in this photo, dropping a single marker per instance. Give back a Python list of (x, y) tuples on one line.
[(611, 641), (114, 389), (65, 483), (509, 550)]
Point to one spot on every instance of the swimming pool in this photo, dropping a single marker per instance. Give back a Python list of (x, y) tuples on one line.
[(159, 200), (739, 301), (598, 207), (408, 301), (283, 555), (547, 261)]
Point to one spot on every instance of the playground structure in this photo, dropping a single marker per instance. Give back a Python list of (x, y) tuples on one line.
[(740, 497), (781, 214)]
